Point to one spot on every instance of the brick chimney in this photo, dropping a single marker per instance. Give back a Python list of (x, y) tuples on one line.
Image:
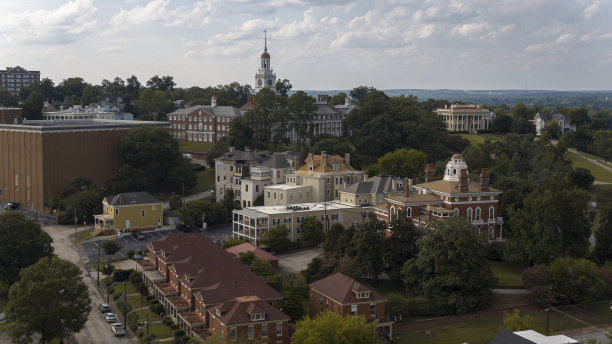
[(407, 187), (324, 158), (120, 199), (463, 181), (296, 162), (347, 159), (429, 173), (484, 180)]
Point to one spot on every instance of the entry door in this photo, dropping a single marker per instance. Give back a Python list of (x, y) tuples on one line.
[(127, 224)]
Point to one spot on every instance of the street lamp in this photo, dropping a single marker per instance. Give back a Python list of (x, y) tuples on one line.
[(204, 224)]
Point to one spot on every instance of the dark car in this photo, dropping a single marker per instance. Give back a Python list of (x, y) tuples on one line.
[(138, 235), (104, 308), (11, 206), (182, 228)]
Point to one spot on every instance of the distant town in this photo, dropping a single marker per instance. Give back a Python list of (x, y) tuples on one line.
[(149, 213)]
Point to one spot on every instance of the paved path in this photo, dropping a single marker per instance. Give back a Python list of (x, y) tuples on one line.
[(596, 162), (96, 330), (190, 198), (296, 261)]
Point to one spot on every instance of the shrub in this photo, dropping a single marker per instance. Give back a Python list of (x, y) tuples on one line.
[(108, 269), (132, 323), (130, 254), (135, 277), (232, 242), (121, 275), (167, 321), (156, 308), (150, 298), (495, 251), (179, 333), (116, 296)]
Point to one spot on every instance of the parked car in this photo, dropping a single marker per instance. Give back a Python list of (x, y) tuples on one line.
[(137, 257), (11, 206), (118, 329), (110, 317), (138, 235), (104, 308)]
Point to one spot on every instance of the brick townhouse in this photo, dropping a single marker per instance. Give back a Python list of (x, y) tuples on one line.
[(189, 274)]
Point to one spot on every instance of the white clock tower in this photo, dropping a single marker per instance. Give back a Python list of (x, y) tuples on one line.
[(265, 77)]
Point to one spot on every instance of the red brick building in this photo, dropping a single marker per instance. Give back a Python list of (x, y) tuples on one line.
[(10, 115), (345, 296), (202, 123), (249, 318), (189, 274), (454, 195)]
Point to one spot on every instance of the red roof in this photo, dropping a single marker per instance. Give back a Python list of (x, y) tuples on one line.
[(247, 247), (265, 55), (344, 289), (239, 311)]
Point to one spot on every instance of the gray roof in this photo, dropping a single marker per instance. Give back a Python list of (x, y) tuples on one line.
[(264, 157), (378, 185), (217, 111), (132, 198), (505, 336), (326, 109), (547, 117), (279, 160)]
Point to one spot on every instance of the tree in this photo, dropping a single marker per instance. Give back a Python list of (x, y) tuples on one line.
[(182, 176), (296, 293), (229, 203), (7, 99), (338, 99), (603, 235), (110, 247), (502, 124), (602, 144), (50, 299), (277, 238), (240, 135), (553, 129), (232, 242), (312, 231), (283, 87), (175, 202), (402, 163), (47, 88), (522, 126), (261, 117), (401, 246), (87, 202), (359, 93), (191, 214), (449, 269), (22, 243), (71, 87), (32, 106), (152, 102), (262, 268), (89, 95), (333, 328), (367, 245), (575, 280), (165, 83), (515, 322), (302, 109), (581, 177)]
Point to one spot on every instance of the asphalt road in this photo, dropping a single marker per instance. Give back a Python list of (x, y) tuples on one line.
[(42, 218), (89, 250)]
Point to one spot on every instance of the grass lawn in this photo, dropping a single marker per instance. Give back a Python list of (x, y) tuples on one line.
[(206, 181), (84, 235), (142, 315), (129, 287), (134, 301), (193, 146), (506, 274), (600, 174), (5, 325), (481, 331), (161, 331), (480, 138)]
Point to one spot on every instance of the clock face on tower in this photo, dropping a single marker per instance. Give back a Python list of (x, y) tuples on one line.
[(269, 82), (259, 82)]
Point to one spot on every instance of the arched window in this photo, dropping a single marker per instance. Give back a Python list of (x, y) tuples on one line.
[(392, 212), (478, 213), (491, 233), (408, 211), (491, 213), (456, 212), (469, 214)]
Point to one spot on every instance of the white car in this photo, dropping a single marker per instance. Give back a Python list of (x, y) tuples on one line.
[(117, 329), (110, 317)]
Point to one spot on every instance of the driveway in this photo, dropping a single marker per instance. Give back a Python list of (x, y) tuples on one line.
[(296, 261), (96, 330)]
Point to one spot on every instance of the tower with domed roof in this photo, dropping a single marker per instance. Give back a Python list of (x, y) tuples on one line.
[(265, 76)]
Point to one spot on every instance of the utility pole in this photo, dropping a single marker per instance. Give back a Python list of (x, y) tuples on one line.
[(147, 325), (547, 320), (75, 227), (98, 269), (125, 305)]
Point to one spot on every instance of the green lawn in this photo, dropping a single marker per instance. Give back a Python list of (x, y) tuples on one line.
[(600, 173), (480, 138), (135, 302), (481, 331), (192, 146), (84, 235), (506, 274), (129, 287), (206, 181), (160, 331), (142, 315)]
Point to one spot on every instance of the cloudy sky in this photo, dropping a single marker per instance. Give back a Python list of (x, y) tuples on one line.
[(317, 44)]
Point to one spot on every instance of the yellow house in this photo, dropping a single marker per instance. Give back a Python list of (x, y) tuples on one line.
[(129, 211)]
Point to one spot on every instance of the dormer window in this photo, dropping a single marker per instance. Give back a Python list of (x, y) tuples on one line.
[(258, 316), (363, 295), (218, 312)]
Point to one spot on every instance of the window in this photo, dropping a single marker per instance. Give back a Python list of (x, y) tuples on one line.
[(491, 213), (258, 316), (332, 307), (408, 212), (232, 332), (264, 330), (153, 207), (478, 213), (116, 211), (300, 219), (326, 303), (279, 329), (363, 295), (372, 309), (456, 212), (314, 297), (287, 219), (334, 216), (256, 188), (353, 310), (246, 188), (251, 332), (268, 194), (469, 214), (275, 222), (142, 213), (321, 300)]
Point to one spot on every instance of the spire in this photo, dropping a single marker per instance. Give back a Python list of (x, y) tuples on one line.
[(265, 41)]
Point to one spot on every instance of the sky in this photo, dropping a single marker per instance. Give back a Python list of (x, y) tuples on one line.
[(317, 44)]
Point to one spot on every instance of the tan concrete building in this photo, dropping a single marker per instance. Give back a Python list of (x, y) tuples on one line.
[(466, 117), (43, 158)]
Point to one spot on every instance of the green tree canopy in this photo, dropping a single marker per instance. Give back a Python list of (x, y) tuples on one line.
[(402, 163), (359, 93), (22, 243), (450, 268), (338, 99), (575, 280), (515, 322), (277, 238), (401, 246), (312, 231), (50, 299), (367, 246), (283, 87), (333, 328), (302, 109), (603, 235), (191, 213)]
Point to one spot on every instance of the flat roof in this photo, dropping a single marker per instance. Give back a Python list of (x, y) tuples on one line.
[(77, 124), (264, 210), (286, 186), (539, 338)]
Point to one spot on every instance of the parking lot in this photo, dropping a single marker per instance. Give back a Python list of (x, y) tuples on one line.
[(89, 250)]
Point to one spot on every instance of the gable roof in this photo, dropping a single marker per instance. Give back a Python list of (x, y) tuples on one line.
[(239, 311), (379, 184), (131, 198), (247, 247), (217, 111), (317, 162), (343, 289), (505, 336)]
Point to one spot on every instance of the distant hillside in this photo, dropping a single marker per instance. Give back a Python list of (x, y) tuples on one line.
[(544, 98)]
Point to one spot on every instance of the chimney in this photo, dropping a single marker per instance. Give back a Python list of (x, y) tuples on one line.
[(347, 159), (429, 173), (347, 101), (310, 157), (324, 158), (484, 180), (407, 186), (213, 101), (231, 149), (463, 181), (120, 199), (296, 162)]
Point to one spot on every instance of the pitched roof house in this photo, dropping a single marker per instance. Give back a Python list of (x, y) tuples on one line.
[(129, 211), (541, 120)]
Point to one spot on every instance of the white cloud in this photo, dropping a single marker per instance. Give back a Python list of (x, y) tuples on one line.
[(111, 49), (592, 9), (160, 11), (469, 29), (60, 26)]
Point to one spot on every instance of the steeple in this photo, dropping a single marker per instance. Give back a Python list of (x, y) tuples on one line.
[(265, 41), (265, 77)]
